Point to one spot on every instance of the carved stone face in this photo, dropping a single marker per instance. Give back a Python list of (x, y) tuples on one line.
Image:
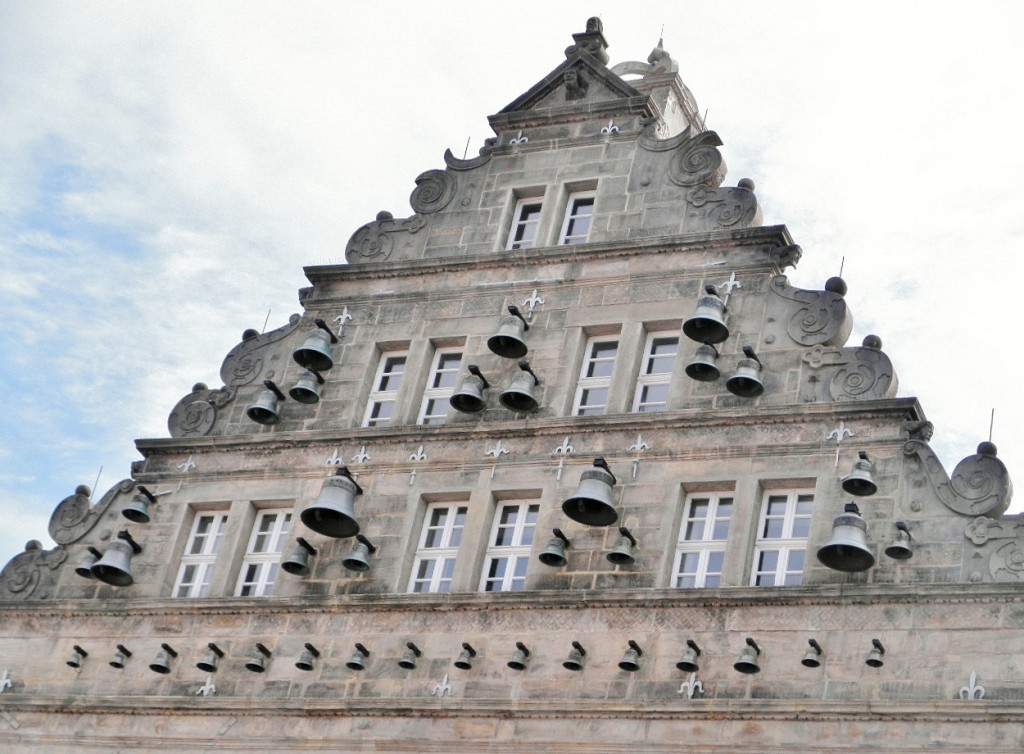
[(571, 77)]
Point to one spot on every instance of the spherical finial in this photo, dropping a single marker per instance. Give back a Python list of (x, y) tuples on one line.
[(746, 183), (199, 387), (836, 285), (873, 342), (987, 449), (384, 215), (33, 545), (83, 490), (249, 334)]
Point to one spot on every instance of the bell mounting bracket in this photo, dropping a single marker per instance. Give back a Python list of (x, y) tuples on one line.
[(323, 326), (514, 311)]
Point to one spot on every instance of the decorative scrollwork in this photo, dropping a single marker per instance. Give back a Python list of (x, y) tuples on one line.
[(244, 363), (869, 375), (34, 569), (698, 161), (1007, 562), (813, 317), (979, 486), (373, 241), (75, 515), (434, 191), (195, 414)]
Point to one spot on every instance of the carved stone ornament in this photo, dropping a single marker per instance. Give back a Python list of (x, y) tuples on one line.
[(31, 574), (245, 362), (75, 515), (811, 317), (847, 374), (474, 162), (575, 84), (374, 243), (980, 485), (698, 162), (434, 191), (195, 414)]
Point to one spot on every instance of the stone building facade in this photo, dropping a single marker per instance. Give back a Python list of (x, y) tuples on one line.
[(636, 536)]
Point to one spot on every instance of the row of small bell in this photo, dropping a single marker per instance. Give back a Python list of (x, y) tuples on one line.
[(518, 396), (265, 409), (848, 549), (114, 566), (358, 559), (745, 381)]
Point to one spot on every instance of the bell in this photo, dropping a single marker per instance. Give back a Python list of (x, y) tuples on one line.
[(76, 658), (138, 509), (307, 388), (359, 559), (688, 663), (703, 367), (357, 660), (554, 555), (258, 662), (875, 655), (575, 659), (209, 662), (622, 553), (84, 569), (519, 657), (115, 566), (162, 663), (859, 482), (745, 381), (298, 562), (518, 396), (591, 504), (465, 659), (848, 548), (315, 353), (900, 547), (813, 657), (307, 660), (707, 325), (631, 660), (264, 410), (120, 657), (408, 660), (469, 398), (508, 341), (748, 658), (332, 514)]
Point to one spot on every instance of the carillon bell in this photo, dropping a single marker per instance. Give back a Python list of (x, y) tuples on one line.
[(703, 367), (519, 657), (120, 657), (848, 549), (745, 381), (358, 659), (469, 398), (631, 660), (315, 353), (208, 664), (813, 657), (137, 510), (298, 562), (875, 655), (408, 661), (518, 396), (591, 504), (332, 513), (858, 481), (115, 566), (84, 569), (900, 547), (77, 657), (508, 341), (575, 660), (748, 658), (554, 554), (307, 660), (622, 552), (162, 663), (689, 662), (307, 387), (465, 659), (258, 662), (707, 325), (264, 410), (359, 558)]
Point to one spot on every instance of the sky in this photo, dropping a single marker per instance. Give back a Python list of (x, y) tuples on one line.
[(169, 168)]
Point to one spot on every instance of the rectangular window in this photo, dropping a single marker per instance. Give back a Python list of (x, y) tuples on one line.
[(199, 556), (509, 553), (702, 535), (579, 212), (782, 539), (260, 564), (381, 405), (655, 373), (444, 373), (523, 234), (439, 544), (595, 377)]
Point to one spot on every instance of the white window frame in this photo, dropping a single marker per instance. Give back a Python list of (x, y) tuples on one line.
[(266, 560), (571, 215), (520, 220), (513, 556), (440, 556), (440, 395), (785, 545), (587, 384), (707, 544), (646, 378), (203, 560), (379, 397)]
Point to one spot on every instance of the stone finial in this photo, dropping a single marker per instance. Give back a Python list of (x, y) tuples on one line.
[(592, 40), (661, 61)]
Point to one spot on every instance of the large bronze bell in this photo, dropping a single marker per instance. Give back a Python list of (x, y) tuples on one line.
[(575, 660), (703, 367), (508, 341), (707, 325), (137, 510), (631, 660), (746, 382), (264, 410), (689, 662), (115, 566), (748, 658), (848, 548), (332, 513), (358, 559), (858, 481), (591, 504), (469, 398), (900, 547), (554, 554), (298, 562), (307, 387), (622, 552), (518, 396), (315, 353)]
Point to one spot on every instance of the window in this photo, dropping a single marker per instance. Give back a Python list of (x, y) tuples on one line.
[(595, 377), (260, 564), (509, 552), (523, 234), (579, 212), (444, 373), (655, 373), (702, 536), (439, 544), (381, 404), (782, 539), (200, 553)]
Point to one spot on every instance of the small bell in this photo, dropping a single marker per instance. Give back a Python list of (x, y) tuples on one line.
[(813, 657), (508, 341), (77, 657), (591, 504), (408, 660), (84, 569), (298, 562), (162, 663), (264, 410), (703, 367), (359, 559), (518, 396), (748, 658), (900, 547), (707, 325), (120, 657), (859, 482), (631, 660), (469, 398), (689, 661), (745, 381), (622, 553), (358, 659), (137, 510), (258, 662), (209, 662), (848, 549), (307, 387), (315, 353), (575, 659), (332, 513), (875, 655), (554, 554), (465, 659), (519, 657), (307, 660)]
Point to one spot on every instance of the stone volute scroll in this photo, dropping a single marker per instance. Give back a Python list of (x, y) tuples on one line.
[(246, 362), (434, 191), (75, 515), (375, 242), (979, 486), (31, 574), (196, 413), (847, 374), (808, 318)]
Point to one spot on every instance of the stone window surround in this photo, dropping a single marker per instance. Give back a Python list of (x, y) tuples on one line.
[(586, 384), (707, 544), (379, 397), (645, 379), (574, 201), (264, 561), (434, 393), (204, 560), (514, 553), (444, 554), (792, 536)]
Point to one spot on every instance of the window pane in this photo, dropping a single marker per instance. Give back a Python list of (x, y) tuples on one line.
[(772, 528), (694, 530), (768, 561)]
